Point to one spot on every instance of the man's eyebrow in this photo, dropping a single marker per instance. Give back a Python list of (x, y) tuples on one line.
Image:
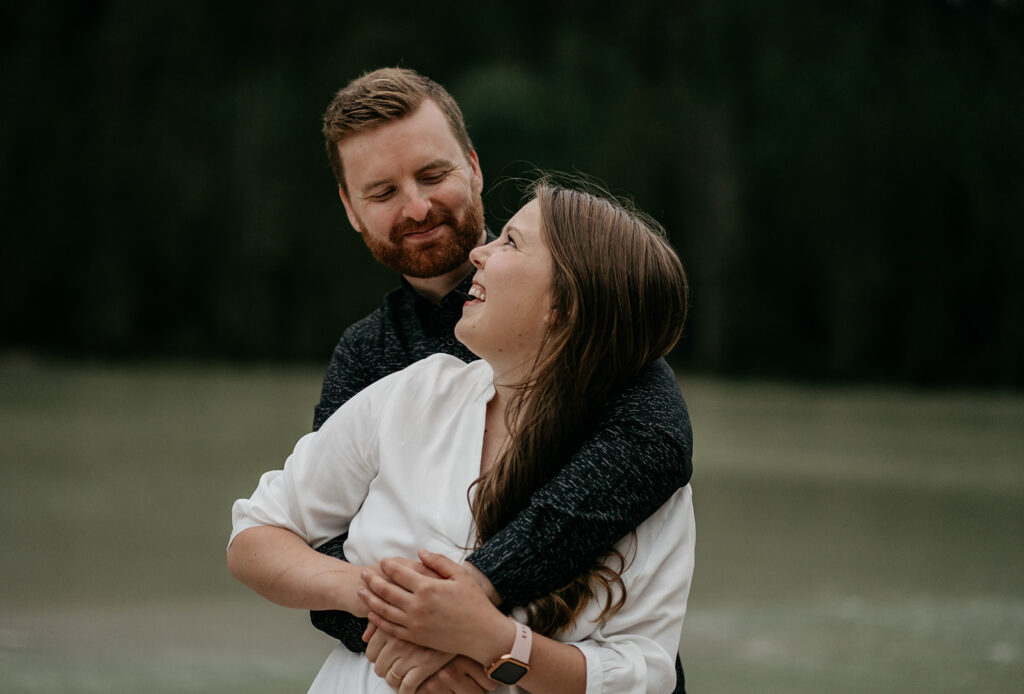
[(437, 163), (373, 184), (383, 181)]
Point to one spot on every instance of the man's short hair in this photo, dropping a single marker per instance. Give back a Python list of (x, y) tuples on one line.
[(379, 97)]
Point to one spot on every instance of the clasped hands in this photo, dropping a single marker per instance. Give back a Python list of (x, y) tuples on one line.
[(431, 625)]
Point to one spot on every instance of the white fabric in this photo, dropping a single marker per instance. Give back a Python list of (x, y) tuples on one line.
[(392, 467)]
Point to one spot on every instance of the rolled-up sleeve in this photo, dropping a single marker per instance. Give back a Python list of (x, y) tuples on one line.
[(635, 650), (326, 477)]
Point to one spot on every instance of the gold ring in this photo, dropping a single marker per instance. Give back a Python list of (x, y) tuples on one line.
[(392, 673)]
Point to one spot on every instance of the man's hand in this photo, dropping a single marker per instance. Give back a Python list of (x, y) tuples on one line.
[(461, 676), (403, 665)]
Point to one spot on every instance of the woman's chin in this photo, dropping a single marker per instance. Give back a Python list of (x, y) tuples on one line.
[(465, 335)]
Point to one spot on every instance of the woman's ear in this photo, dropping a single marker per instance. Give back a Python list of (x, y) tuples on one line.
[(553, 319)]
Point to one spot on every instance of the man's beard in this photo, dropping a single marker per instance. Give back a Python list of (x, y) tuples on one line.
[(434, 259)]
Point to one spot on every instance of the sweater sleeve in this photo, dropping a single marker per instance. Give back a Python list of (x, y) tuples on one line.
[(638, 456)]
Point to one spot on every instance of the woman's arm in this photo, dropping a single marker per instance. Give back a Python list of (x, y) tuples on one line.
[(314, 497), (280, 566)]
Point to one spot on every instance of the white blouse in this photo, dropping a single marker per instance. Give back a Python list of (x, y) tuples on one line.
[(393, 466)]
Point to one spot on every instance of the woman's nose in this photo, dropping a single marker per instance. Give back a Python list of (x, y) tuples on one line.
[(478, 256)]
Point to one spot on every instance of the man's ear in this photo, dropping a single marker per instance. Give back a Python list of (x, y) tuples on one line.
[(478, 175), (352, 219)]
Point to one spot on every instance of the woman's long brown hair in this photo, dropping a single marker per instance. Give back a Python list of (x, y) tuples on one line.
[(619, 301)]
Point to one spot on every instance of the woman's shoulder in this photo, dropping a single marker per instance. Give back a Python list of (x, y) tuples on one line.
[(442, 376)]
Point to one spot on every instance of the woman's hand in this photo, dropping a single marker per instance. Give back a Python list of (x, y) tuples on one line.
[(450, 614)]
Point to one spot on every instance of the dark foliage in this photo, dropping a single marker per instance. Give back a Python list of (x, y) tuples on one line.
[(845, 181)]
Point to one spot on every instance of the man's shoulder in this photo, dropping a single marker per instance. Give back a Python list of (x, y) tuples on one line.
[(651, 402), (388, 314)]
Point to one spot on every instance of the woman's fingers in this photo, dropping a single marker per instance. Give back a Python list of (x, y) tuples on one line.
[(440, 564), (385, 590), (406, 573), (383, 610)]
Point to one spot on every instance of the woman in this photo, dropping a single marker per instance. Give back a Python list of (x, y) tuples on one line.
[(570, 302)]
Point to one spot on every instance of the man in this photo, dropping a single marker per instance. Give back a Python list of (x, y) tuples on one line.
[(411, 185)]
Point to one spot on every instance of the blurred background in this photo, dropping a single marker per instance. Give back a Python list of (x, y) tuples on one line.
[(844, 181)]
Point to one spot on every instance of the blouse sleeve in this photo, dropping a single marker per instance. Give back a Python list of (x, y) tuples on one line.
[(326, 477), (635, 650)]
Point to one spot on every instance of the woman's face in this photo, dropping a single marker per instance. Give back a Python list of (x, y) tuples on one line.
[(510, 302)]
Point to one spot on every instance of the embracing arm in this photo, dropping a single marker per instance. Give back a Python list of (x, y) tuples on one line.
[(280, 566), (635, 460), (314, 497)]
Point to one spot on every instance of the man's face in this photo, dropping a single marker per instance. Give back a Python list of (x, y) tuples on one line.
[(413, 194)]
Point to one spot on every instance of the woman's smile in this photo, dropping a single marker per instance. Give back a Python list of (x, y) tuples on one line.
[(505, 319)]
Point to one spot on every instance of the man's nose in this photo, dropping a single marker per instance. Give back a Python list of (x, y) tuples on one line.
[(416, 206)]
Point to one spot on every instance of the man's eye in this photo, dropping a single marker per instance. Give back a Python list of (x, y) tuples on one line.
[(383, 195), (435, 177)]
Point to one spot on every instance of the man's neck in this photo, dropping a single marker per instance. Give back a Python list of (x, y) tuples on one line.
[(433, 289)]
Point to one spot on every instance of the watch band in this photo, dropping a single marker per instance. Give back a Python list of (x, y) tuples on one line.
[(523, 644), (510, 668)]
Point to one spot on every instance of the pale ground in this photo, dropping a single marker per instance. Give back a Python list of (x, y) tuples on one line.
[(849, 540)]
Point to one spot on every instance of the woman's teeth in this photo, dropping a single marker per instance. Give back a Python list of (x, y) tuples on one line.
[(478, 292)]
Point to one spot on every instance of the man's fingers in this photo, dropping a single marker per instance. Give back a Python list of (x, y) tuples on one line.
[(476, 672), (374, 645), (389, 627)]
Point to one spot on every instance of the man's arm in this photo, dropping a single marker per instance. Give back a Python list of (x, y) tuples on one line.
[(638, 456)]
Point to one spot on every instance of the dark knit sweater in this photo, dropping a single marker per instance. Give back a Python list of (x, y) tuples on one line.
[(637, 457)]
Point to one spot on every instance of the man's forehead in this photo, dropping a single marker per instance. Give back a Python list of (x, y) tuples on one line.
[(401, 147)]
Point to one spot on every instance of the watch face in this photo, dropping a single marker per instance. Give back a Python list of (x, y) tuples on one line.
[(509, 672)]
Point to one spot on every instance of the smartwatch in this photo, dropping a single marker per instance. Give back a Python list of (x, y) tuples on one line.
[(510, 668)]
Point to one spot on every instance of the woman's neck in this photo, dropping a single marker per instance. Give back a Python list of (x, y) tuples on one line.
[(508, 379), (495, 427)]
